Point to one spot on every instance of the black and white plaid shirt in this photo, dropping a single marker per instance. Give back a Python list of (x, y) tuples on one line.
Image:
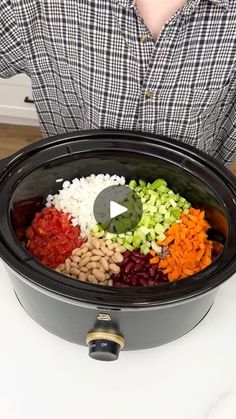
[(93, 64)]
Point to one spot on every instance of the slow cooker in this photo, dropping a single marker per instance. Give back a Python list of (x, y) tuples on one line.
[(108, 318)]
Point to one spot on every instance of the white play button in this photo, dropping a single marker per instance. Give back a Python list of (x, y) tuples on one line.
[(116, 209)]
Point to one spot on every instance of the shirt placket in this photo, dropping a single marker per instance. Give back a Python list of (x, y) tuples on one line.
[(156, 72)]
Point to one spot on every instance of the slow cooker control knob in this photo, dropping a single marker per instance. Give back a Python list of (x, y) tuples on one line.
[(104, 346)]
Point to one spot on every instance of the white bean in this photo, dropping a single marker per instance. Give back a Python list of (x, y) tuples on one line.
[(104, 264), (114, 268), (84, 262), (82, 276), (92, 265), (67, 265), (84, 250), (97, 252), (107, 251), (99, 275), (117, 257), (95, 258), (86, 255)]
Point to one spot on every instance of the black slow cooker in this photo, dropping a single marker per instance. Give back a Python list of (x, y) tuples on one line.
[(109, 318)]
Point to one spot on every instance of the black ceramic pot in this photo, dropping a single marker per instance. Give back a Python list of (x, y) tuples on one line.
[(109, 318)]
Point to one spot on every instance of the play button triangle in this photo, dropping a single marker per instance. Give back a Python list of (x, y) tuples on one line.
[(116, 209)]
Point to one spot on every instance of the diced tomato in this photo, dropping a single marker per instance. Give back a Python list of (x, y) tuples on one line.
[(51, 237)]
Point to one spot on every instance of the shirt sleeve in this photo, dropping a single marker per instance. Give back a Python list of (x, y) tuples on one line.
[(226, 141), (12, 57)]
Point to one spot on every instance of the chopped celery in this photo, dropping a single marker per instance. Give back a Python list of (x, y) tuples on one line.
[(142, 182), (159, 229), (161, 237), (162, 189), (152, 234), (167, 215), (100, 234), (110, 236), (173, 203), (163, 199), (186, 206), (156, 248), (166, 224), (95, 229), (128, 246), (137, 240), (176, 212), (162, 207), (157, 183), (132, 184), (144, 230), (144, 249)]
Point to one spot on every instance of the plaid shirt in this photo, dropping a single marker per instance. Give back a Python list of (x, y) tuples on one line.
[(94, 64)]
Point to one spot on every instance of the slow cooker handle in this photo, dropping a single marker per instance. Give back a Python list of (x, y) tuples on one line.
[(104, 346)]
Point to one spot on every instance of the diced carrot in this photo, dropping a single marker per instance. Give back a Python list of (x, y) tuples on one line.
[(154, 260), (189, 248), (193, 218), (183, 235), (173, 276), (167, 241), (188, 272), (153, 253), (191, 224), (168, 270), (163, 263)]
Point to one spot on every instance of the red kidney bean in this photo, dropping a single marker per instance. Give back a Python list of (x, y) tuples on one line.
[(135, 270), (128, 267), (143, 282), (126, 254), (151, 283), (137, 267), (135, 258), (146, 275), (134, 282), (152, 271)]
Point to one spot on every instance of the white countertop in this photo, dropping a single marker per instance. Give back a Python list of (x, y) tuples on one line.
[(45, 377)]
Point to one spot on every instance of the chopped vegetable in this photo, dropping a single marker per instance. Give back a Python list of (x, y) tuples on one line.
[(51, 237), (161, 208), (77, 199), (170, 242), (190, 251), (154, 260)]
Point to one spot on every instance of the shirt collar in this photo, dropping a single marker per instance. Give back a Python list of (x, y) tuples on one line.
[(221, 3), (192, 3)]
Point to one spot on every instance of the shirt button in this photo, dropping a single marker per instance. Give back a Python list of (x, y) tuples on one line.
[(149, 94), (143, 39)]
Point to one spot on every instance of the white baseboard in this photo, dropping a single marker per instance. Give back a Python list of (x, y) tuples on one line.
[(18, 121)]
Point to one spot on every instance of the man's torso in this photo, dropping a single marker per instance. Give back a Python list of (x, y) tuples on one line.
[(94, 64)]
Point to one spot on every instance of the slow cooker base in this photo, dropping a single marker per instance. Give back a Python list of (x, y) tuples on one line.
[(125, 348), (141, 328)]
